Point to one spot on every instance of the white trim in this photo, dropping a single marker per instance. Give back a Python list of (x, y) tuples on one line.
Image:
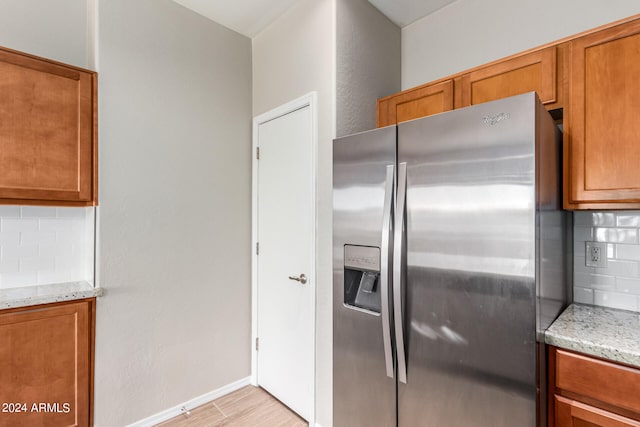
[(191, 404), (96, 247), (310, 100), (92, 34), (93, 63)]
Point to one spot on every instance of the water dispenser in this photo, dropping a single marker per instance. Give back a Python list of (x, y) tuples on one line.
[(362, 277)]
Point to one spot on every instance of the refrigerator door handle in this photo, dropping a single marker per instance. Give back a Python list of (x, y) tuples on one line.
[(398, 263), (385, 261)]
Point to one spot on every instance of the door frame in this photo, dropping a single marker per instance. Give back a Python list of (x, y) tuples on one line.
[(308, 100)]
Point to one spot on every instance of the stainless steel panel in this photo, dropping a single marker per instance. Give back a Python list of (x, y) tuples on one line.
[(471, 266), (554, 237), (363, 395), (553, 278)]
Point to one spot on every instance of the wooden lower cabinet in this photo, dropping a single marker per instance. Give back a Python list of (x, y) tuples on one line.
[(589, 392), (572, 413), (46, 365)]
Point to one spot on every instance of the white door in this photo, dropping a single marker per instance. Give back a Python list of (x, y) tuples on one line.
[(285, 261)]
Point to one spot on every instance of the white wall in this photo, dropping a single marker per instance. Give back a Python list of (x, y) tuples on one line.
[(468, 33), (291, 57), (367, 64), (52, 29), (174, 228)]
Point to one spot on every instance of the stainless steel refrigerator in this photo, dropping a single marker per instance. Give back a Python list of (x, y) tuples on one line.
[(449, 262)]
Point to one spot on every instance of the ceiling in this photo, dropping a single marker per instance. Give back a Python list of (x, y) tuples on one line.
[(249, 17), (246, 17), (404, 12)]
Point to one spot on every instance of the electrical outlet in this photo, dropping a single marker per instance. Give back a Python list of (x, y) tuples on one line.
[(595, 254)]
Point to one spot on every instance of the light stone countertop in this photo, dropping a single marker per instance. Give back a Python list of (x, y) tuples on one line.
[(44, 294), (598, 331)]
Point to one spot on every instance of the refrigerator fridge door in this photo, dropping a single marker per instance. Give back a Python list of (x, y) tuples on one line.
[(469, 289), (363, 197)]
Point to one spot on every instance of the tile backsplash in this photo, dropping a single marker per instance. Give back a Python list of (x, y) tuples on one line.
[(43, 245), (618, 284)]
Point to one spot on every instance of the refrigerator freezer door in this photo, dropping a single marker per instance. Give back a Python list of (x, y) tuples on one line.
[(363, 175), (470, 278)]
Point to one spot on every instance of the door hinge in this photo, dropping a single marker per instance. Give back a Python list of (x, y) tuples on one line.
[(257, 343), (258, 153), (257, 248)]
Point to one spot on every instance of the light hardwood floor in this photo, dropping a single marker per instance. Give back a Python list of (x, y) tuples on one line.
[(248, 407)]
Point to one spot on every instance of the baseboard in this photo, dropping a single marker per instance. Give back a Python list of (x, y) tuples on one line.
[(190, 404)]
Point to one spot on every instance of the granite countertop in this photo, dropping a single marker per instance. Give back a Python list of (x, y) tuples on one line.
[(44, 294), (598, 331)]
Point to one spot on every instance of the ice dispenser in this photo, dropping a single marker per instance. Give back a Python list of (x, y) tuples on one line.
[(362, 277)]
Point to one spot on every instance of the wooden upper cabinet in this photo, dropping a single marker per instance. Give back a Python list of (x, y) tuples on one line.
[(46, 354), (48, 128), (534, 71), (602, 121), (542, 71), (414, 103)]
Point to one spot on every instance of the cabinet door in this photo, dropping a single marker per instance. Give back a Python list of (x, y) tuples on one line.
[(415, 103), (605, 381), (602, 129), (535, 71), (47, 131), (45, 355), (571, 413)]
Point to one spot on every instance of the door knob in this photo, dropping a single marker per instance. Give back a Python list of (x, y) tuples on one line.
[(302, 279)]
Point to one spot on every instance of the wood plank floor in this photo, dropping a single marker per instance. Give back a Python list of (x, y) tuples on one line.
[(248, 407)]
